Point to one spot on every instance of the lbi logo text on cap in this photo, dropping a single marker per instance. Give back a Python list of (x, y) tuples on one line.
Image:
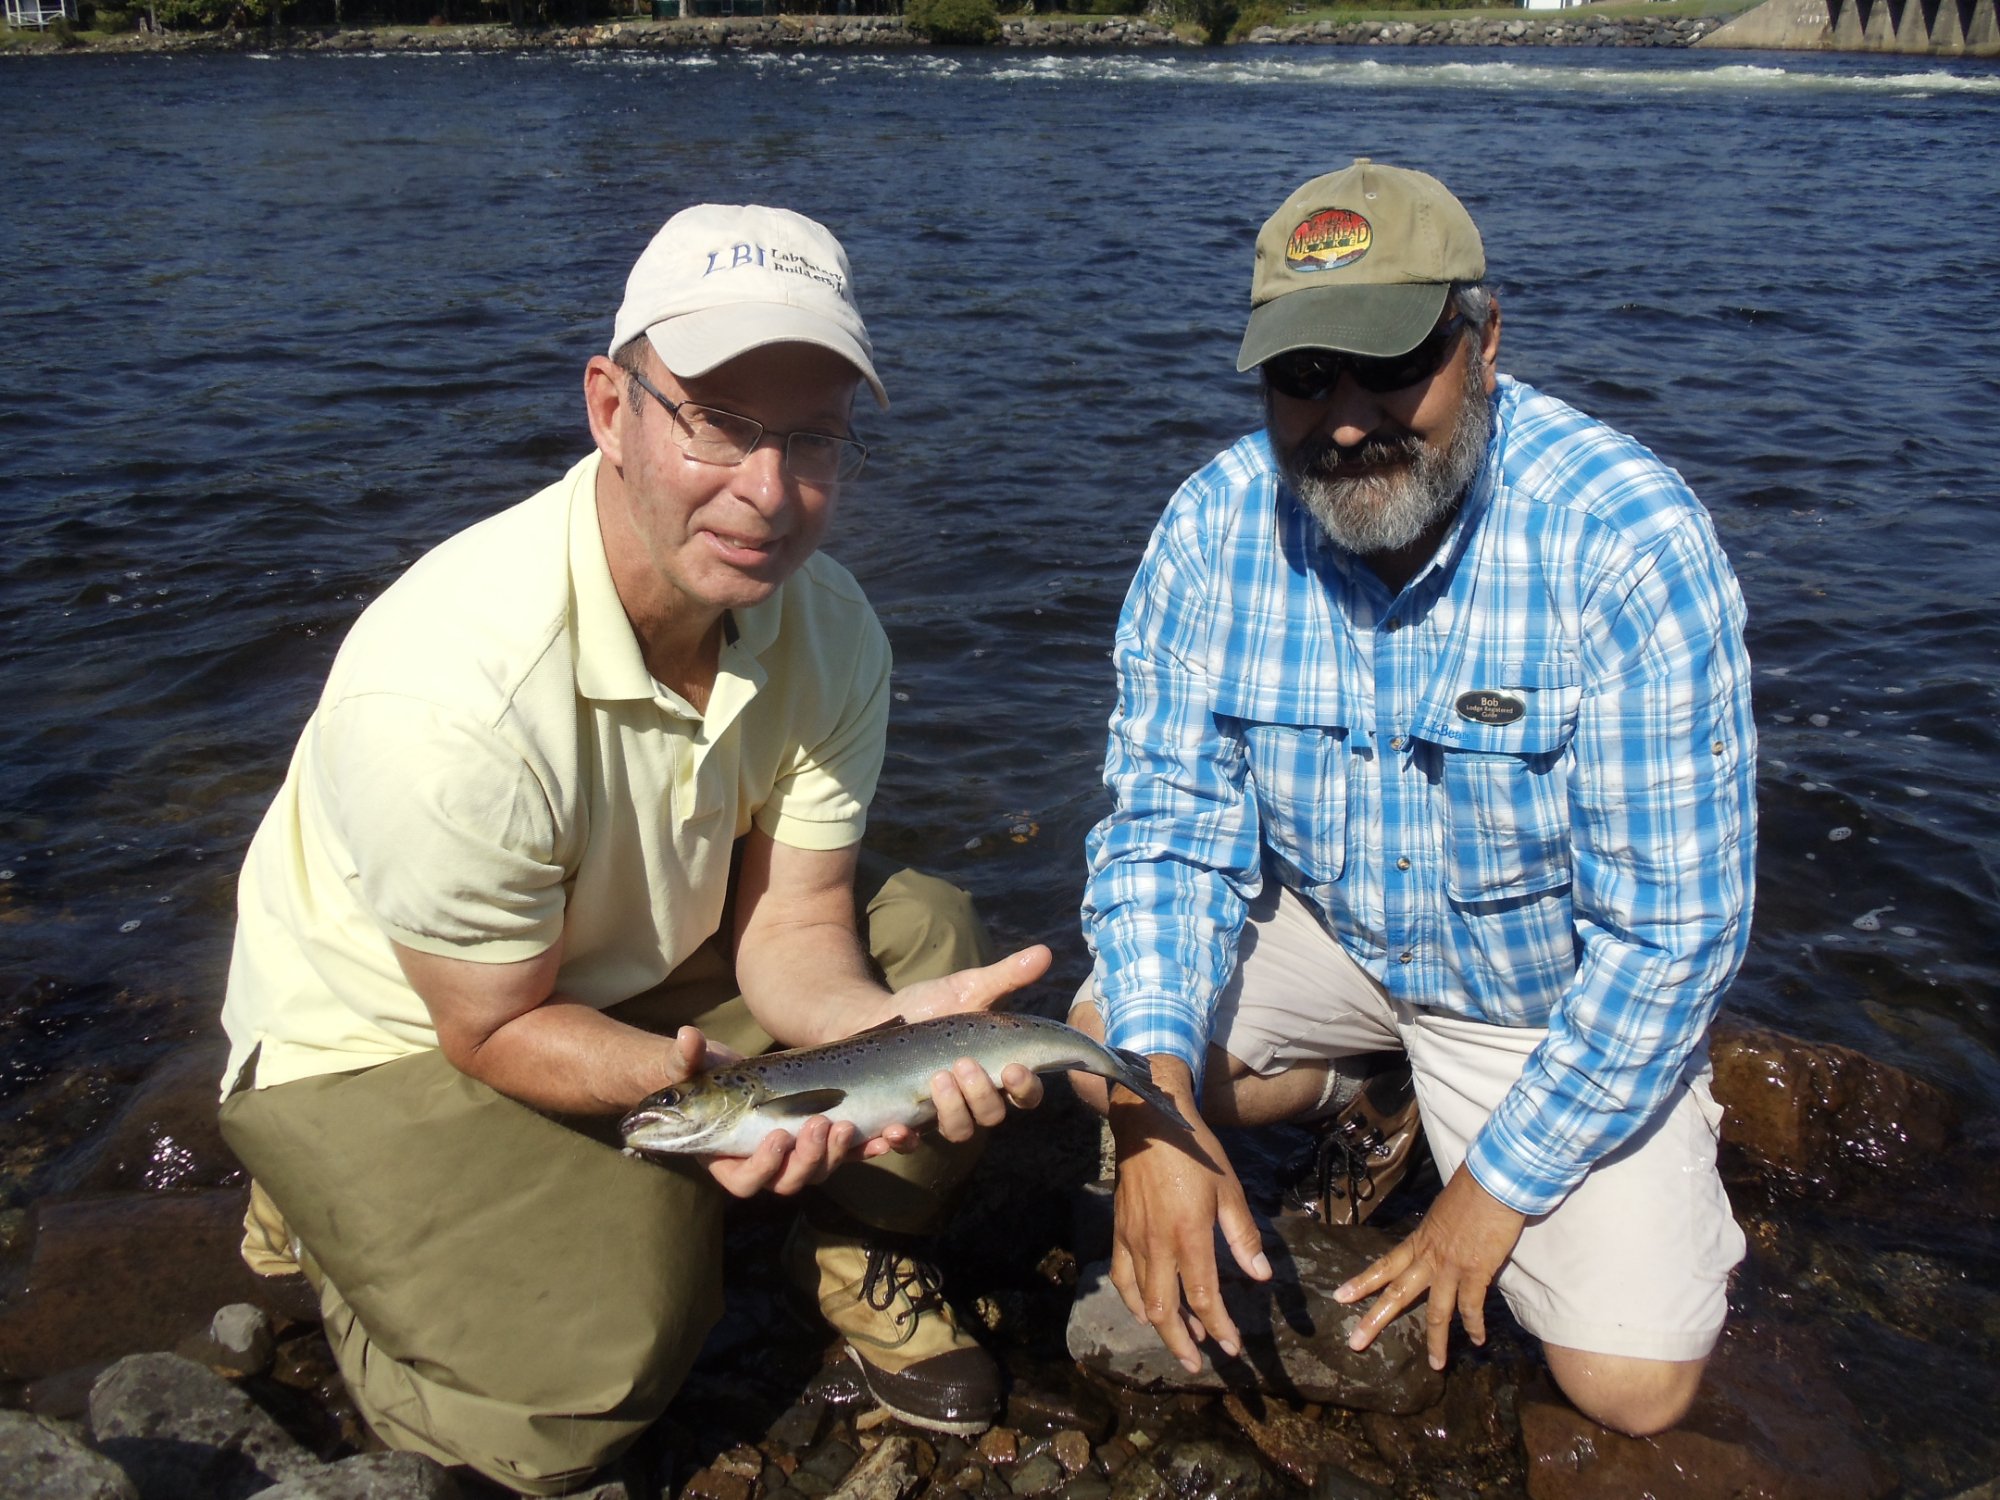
[(721, 279)]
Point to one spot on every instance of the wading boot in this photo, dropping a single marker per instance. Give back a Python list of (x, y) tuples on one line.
[(887, 1304), (1364, 1149)]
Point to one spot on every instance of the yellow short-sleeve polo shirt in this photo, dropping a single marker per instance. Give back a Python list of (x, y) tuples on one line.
[(491, 766)]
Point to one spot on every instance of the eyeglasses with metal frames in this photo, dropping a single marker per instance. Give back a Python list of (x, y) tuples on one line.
[(709, 435), (1311, 374)]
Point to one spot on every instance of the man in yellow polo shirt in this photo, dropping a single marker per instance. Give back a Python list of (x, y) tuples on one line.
[(582, 799)]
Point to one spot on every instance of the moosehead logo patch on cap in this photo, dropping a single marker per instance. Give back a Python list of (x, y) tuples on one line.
[(1328, 240)]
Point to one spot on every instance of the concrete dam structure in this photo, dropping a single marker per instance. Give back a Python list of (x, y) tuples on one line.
[(1921, 28)]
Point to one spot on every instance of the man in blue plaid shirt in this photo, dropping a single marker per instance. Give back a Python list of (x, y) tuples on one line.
[(1432, 772)]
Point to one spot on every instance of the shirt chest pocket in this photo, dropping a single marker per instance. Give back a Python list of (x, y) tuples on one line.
[(1298, 778), (1495, 743)]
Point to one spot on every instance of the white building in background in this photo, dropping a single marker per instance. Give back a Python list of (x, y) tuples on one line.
[(1527, 4), (39, 13)]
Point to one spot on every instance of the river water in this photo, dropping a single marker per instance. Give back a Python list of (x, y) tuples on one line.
[(275, 325)]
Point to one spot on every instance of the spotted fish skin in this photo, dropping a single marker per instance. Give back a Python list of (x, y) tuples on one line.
[(874, 1080)]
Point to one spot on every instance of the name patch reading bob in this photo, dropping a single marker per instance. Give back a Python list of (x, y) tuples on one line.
[(1484, 706), (1329, 239)]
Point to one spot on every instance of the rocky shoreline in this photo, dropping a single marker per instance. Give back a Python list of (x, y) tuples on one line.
[(789, 33), (119, 1379)]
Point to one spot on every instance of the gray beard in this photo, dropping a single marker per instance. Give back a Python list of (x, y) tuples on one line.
[(1387, 511)]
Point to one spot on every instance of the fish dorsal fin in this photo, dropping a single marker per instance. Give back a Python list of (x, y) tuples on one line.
[(803, 1103)]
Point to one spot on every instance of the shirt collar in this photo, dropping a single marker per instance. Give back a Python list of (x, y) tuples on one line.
[(1294, 516), (609, 664)]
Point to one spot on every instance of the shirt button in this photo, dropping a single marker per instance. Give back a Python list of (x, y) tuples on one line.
[(1403, 863), (1396, 743), (1406, 957), (1393, 626), (1716, 748)]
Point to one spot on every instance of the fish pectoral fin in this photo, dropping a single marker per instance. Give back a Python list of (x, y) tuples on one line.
[(805, 1102)]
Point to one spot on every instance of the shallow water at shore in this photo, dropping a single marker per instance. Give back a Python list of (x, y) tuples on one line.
[(278, 325)]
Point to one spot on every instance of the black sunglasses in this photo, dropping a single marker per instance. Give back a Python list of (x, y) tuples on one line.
[(1311, 374)]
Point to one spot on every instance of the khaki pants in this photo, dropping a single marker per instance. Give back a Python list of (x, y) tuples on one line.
[(510, 1292)]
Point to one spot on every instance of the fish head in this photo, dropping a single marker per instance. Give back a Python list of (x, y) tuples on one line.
[(683, 1117)]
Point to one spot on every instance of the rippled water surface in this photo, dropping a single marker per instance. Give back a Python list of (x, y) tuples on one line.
[(276, 325)]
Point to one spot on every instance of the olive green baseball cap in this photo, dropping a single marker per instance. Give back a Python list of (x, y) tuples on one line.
[(1360, 260)]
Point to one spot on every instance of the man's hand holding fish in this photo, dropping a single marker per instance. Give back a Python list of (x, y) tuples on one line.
[(964, 1096)]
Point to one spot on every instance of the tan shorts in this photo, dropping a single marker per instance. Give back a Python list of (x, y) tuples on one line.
[(1635, 1261)]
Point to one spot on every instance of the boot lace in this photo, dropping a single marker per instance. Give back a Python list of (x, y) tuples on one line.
[(1346, 1154), (894, 1273)]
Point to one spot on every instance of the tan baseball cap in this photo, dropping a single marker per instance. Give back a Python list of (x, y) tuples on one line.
[(1359, 260), (721, 279)]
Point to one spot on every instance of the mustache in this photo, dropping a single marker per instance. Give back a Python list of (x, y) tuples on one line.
[(1322, 458)]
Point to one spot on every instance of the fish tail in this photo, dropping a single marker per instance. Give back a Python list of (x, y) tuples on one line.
[(1137, 1075)]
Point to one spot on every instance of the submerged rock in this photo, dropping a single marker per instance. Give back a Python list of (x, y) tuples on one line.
[(1316, 1452), (1763, 1425), (124, 1273), (1194, 1469), (1812, 1116), (1294, 1333), (165, 1138)]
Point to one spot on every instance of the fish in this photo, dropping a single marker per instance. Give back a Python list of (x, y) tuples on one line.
[(874, 1079)]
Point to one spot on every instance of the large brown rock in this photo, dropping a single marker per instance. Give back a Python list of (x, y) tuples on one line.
[(1294, 1333), (1764, 1427), (128, 1272), (1816, 1116)]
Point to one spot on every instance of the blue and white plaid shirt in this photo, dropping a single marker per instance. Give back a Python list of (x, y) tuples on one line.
[(1521, 791)]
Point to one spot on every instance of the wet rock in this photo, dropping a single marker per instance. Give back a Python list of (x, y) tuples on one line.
[(1763, 1425), (1477, 1418), (65, 1395), (715, 1483), (1301, 1443), (800, 1425), (40, 1461), (1037, 1476), (1196, 1470), (1294, 1333), (829, 1462), (238, 1341), (1046, 1398), (1338, 1484), (180, 1430), (116, 1275), (166, 1138), (999, 1445), (1805, 1116), (894, 1471), (1115, 1455), (1072, 1450), (836, 1386), (372, 1476)]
